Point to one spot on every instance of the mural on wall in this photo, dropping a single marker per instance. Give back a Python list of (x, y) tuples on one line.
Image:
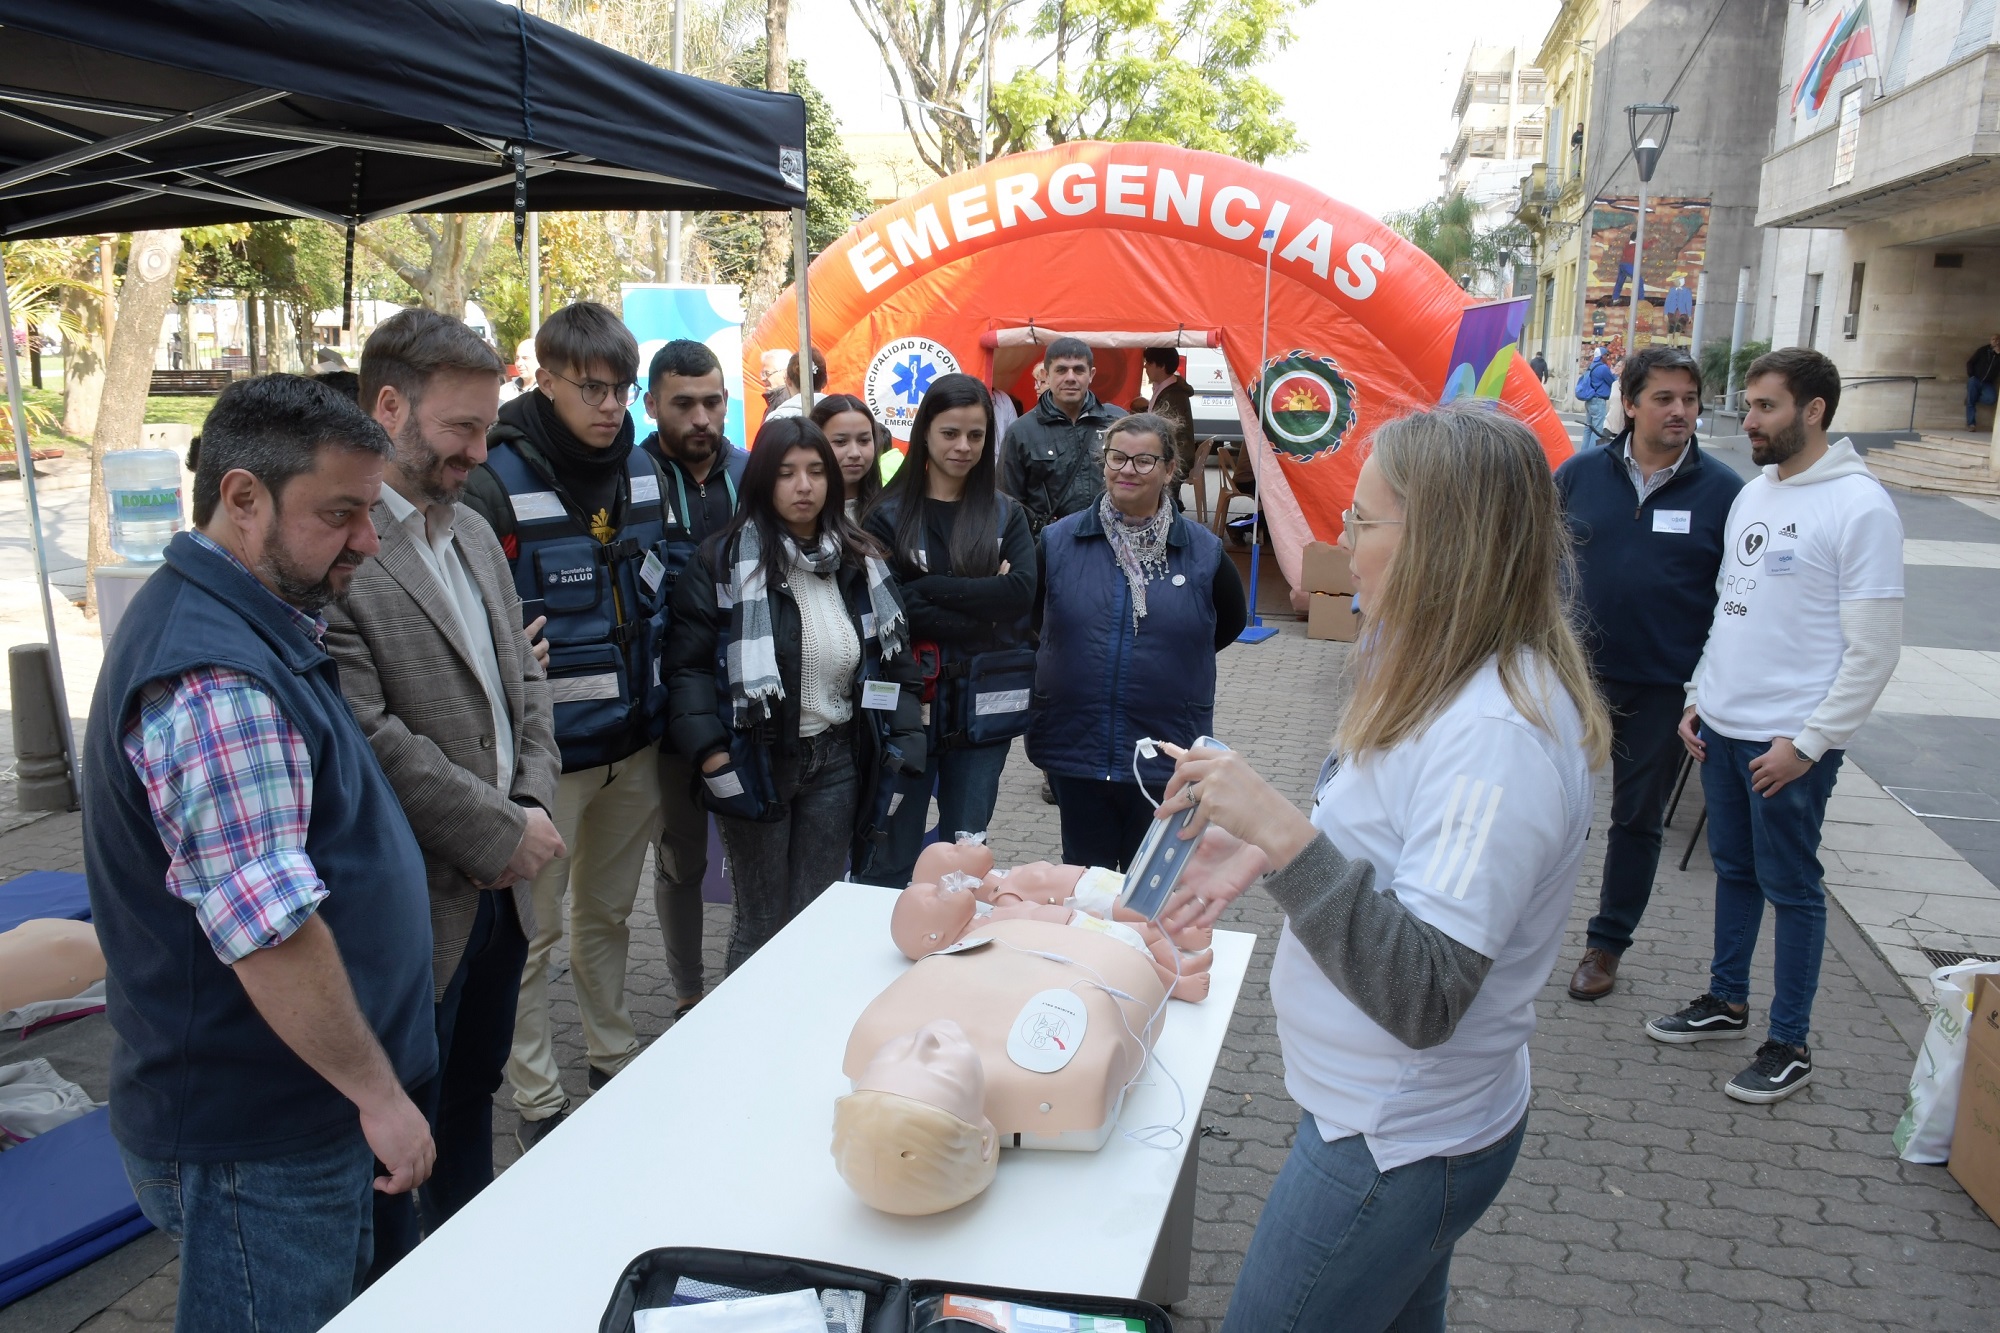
[(1676, 250)]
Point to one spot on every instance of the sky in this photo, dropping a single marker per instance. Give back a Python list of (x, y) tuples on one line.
[(1369, 84)]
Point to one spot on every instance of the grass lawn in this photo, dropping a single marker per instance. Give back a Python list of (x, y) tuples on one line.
[(187, 411)]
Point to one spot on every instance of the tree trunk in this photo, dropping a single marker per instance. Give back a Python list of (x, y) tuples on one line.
[(774, 254), (250, 330), (83, 363), (142, 310)]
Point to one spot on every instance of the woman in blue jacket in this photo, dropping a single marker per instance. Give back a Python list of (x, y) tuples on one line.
[(1136, 603)]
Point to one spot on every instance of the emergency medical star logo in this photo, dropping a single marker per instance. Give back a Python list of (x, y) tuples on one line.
[(909, 380), (1308, 405)]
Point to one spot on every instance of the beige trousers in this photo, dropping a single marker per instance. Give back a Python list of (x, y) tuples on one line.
[(607, 816)]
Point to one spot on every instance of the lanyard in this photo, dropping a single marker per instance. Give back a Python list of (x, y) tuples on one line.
[(680, 489)]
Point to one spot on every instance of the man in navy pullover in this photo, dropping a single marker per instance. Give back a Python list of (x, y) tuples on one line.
[(1647, 513)]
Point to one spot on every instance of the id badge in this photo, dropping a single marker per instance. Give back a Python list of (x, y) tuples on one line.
[(652, 571), (1671, 520), (880, 695), (1781, 562)]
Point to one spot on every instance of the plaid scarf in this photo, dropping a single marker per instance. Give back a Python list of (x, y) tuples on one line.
[(754, 684), (1139, 548)]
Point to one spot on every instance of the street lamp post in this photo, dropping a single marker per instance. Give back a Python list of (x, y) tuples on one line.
[(1643, 120)]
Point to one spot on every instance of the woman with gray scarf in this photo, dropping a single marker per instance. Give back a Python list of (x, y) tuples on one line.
[(790, 681), (1136, 603)]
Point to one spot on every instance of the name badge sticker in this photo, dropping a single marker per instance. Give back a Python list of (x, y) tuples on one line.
[(880, 695), (651, 572), (645, 489), (725, 784), (536, 506), (1781, 562), (1671, 520), (867, 624)]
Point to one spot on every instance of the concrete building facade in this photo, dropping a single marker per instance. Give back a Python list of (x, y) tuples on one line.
[(1882, 205), (1717, 61), (1497, 129)]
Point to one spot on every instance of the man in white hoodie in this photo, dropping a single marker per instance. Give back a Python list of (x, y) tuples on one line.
[(1808, 628)]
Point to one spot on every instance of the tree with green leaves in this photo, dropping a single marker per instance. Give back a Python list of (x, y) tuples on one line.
[(1448, 231), (1169, 71), (1165, 71)]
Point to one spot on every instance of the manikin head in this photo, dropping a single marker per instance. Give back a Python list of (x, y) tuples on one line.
[(913, 1137), (1037, 882), (927, 918), (967, 857)]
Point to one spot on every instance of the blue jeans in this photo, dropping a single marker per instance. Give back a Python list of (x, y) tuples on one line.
[(1977, 391), (967, 781), (272, 1246), (1593, 416), (776, 870), (1766, 848), (1343, 1246)]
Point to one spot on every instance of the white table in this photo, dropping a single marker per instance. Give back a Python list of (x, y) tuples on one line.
[(720, 1135)]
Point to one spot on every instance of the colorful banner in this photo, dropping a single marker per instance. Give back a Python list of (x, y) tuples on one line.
[(1676, 250), (1487, 337), (658, 313), (1149, 239)]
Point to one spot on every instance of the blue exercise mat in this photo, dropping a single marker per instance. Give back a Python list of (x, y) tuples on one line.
[(67, 1202), (43, 893)]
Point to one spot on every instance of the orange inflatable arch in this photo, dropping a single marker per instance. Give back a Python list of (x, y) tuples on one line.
[(1135, 244)]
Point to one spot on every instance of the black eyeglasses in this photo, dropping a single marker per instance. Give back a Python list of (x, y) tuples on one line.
[(593, 391), (1117, 460)]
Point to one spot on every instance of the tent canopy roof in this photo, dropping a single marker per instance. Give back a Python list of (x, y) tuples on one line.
[(177, 113)]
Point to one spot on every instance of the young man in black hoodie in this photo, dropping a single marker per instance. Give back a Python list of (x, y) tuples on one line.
[(1647, 514), (701, 469), (578, 512)]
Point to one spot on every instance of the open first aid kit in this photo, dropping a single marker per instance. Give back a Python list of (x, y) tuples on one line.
[(689, 1290)]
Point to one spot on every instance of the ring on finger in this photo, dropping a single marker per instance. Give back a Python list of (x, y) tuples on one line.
[(1194, 793)]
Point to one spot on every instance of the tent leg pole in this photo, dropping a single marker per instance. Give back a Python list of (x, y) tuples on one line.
[(801, 261), (1256, 631), (24, 457)]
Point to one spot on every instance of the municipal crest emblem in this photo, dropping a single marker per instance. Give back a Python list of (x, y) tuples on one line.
[(1306, 405)]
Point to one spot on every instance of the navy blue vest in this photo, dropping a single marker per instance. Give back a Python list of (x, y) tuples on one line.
[(1099, 684), (196, 1073), (606, 604)]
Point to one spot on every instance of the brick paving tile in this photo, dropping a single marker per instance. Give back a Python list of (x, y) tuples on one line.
[(1643, 1199)]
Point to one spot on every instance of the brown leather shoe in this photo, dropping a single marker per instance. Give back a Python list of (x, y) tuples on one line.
[(1594, 976)]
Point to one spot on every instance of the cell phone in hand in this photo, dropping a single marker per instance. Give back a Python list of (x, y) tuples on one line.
[(1163, 856), (532, 609)]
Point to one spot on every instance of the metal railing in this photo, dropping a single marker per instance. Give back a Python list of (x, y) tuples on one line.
[(1915, 382)]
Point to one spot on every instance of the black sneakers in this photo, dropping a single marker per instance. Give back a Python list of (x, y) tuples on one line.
[(1780, 1070), (532, 1132), (1707, 1018)]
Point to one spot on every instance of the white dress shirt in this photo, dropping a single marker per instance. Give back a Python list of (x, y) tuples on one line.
[(431, 529)]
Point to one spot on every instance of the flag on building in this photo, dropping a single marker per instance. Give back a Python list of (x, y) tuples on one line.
[(1846, 44)]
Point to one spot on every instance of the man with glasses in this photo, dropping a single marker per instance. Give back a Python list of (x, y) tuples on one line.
[(1647, 514), (578, 512)]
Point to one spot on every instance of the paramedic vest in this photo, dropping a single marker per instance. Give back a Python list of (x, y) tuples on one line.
[(606, 604)]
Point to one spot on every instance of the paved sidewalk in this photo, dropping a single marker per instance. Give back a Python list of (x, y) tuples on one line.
[(1643, 1198)]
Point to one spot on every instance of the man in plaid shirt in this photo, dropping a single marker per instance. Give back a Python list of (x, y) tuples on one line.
[(256, 887)]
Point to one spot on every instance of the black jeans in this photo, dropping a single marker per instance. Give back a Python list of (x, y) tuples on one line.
[(777, 869), (1103, 823), (1645, 756), (475, 1032)]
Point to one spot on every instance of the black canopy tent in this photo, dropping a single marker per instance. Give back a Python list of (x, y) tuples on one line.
[(122, 116)]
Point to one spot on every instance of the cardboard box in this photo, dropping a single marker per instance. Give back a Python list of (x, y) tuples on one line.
[(1323, 568), (1975, 1138), (1331, 617)]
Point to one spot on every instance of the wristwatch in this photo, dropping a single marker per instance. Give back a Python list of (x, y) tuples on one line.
[(1803, 757)]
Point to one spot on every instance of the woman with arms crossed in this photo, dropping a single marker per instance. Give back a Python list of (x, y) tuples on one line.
[(1426, 894)]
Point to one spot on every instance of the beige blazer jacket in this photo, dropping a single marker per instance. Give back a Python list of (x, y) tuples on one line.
[(408, 674)]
